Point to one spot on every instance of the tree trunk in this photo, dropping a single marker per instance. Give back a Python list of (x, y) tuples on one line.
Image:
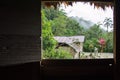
[(102, 49)]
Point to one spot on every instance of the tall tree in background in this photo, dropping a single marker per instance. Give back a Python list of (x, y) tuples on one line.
[(94, 32), (73, 28), (59, 26), (52, 13), (107, 23)]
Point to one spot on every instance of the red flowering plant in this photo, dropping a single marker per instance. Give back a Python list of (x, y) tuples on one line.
[(102, 43)]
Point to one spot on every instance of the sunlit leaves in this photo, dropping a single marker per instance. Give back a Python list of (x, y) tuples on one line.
[(47, 36)]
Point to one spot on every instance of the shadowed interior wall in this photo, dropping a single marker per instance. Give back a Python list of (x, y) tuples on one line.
[(20, 40), (117, 30), (19, 32), (20, 17)]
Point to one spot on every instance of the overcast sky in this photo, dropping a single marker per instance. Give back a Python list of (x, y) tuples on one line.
[(88, 12)]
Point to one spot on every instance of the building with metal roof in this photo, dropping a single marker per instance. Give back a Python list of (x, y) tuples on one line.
[(75, 42), (71, 39)]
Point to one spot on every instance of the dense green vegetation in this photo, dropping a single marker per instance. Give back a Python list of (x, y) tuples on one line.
[(56, 23)]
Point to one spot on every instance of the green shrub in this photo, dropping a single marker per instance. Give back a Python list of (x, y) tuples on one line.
[(56, 54)]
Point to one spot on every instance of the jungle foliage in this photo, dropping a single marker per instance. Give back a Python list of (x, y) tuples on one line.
[(56, 23)]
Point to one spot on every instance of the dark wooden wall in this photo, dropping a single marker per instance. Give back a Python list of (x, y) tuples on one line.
[(20, 40), (20, 17), (117, 24), (19, 31), (78, 69)]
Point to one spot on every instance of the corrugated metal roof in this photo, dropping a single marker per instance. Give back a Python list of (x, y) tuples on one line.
[(71, 39)]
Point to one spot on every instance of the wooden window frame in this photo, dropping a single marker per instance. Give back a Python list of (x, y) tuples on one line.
[(109, 61)]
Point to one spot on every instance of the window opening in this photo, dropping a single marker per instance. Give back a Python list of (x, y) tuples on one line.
[(83, 30)]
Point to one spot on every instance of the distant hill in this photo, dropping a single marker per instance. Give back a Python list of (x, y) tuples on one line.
[(84, 23)]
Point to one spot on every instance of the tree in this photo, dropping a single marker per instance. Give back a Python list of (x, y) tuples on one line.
[(92, 36), (52, 13), (47, 36), (48, 42), (90, 44), (59, 26), (73, 28), (94, 32), (107, 23)]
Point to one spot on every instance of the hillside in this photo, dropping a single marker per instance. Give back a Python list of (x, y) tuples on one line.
[(84, 23)]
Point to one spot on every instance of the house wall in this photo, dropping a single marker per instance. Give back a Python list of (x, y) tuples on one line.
[(81, 47)]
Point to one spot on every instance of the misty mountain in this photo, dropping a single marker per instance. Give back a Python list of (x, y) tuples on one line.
[(84, 23)]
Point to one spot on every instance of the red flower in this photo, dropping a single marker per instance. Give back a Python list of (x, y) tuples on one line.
[(102, 41)]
